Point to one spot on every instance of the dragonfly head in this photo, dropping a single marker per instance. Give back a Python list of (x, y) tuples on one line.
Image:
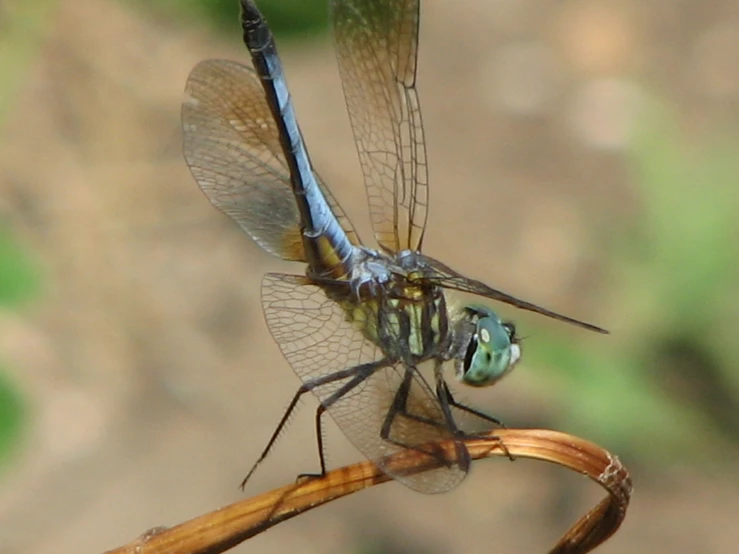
[(492, 350)]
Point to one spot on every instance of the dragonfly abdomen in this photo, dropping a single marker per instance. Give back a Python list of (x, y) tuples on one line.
[(327, 246)]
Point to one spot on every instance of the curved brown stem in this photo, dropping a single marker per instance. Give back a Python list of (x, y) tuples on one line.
[(228, 526)]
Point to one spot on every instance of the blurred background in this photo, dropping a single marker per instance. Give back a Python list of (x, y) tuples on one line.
[(583, 155)]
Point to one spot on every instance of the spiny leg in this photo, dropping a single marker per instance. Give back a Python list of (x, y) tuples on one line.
[(306, 387), (444, 395), (444, 392), (399, 407), (363, 372)]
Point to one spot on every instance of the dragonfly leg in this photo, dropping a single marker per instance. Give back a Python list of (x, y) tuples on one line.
[(399, 407), (448, 399), (319, 443), (363, 371)]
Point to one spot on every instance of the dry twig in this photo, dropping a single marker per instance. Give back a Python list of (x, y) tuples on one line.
[(228, 526)]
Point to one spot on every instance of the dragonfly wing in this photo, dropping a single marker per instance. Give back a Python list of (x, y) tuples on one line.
[(377, 47), (318, 338), (231, 144), (446, 277)]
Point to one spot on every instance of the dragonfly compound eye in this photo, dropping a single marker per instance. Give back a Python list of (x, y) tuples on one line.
[(490, 354)]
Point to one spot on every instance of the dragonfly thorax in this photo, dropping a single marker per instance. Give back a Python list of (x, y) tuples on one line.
[(395, 307), (369, 269)]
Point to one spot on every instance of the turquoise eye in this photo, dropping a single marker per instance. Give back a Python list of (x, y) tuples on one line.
[(491, 353)]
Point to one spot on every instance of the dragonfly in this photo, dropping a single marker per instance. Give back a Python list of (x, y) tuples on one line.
[(371, 332)]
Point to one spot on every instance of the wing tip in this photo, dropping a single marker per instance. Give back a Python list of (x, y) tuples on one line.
[(588, 326), (599, 330)]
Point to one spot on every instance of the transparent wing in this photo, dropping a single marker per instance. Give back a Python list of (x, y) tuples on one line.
[(376, 47), (232, 147), (319, 339), (446, 277)]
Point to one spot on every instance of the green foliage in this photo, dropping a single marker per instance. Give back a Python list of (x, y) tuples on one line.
[(12, 417), (287, 18), (666, 382), (18, 283), (18, 277), (23, 29)]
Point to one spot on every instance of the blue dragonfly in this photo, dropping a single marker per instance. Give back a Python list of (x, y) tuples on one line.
[(369, 331)]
